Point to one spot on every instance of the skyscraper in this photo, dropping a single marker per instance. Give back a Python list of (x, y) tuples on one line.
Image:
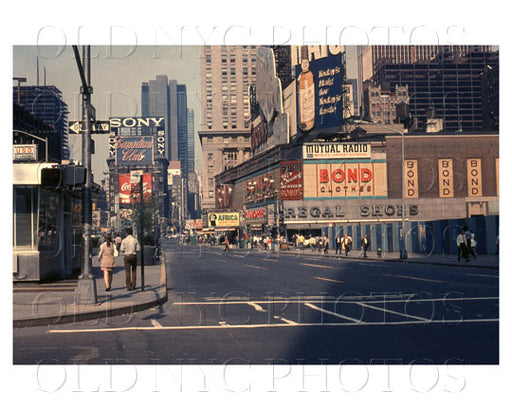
[(47, 105), (226, 74)]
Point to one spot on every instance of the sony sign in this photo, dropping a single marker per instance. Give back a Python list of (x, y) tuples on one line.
[(130, 122)]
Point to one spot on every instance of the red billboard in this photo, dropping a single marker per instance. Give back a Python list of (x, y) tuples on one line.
[(129, 193), (291, 180)]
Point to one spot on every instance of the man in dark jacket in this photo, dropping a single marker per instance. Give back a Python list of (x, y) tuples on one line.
[(365, 243)]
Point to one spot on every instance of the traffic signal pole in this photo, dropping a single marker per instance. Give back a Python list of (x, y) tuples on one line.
[(86, 290)]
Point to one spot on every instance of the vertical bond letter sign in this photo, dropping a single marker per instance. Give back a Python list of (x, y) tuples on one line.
[(445, 167), (411, 178), (474, 167)]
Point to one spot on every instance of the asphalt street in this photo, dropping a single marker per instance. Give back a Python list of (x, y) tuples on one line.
[(262, 308)]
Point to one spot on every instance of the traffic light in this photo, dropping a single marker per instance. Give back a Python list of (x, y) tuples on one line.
[(51, 178)]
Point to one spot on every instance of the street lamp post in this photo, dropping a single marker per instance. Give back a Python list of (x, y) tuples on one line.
[(86, 289), (403, 243)]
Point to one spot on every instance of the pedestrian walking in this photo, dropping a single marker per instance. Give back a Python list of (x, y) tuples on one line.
[(462, 246), (467, 234), (106, 257), (338, 244), (365, 243), (347, 242), (473, 244), (325, 242), (118, 241), (226, 244), (130, 246)]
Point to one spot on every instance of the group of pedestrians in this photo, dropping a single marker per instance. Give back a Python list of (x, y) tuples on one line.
[(344, 244), (466, 244), (110, 249)]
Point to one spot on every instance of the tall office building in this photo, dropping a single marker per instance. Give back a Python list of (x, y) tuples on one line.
[(226, 74), (158, 98), (371, 58), (47, 105), (449, 88), (191, 147)]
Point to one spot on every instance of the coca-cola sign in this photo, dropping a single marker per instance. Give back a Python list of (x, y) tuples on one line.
[(129, 193)]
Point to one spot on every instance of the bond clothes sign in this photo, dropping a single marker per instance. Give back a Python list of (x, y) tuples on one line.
[(223, 219), (134, 150), (345, 179), (291, 180), (323, 150)]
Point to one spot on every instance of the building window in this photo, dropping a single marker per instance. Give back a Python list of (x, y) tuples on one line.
[(210, 194), (210, 181), (210, 156)]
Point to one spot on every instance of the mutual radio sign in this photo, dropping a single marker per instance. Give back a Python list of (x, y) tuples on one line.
[(336, 150)]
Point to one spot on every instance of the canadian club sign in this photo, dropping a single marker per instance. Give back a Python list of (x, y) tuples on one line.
[(134, 150)]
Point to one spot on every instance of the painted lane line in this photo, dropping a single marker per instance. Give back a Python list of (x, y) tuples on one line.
[(271, 260), (224, 324), (256, 307), (287, 321), (266, 325), (316, 266), (327, 280), (421, 319), (311, 306), (413, 278), (155, 323), (255, 267)]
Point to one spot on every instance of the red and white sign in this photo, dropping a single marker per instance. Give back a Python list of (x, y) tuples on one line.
[(129, 192), (24, 152), (291, 180)]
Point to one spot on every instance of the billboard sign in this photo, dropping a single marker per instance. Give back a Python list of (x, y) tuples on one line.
[(291, 180), (134, 150), (129, 192), (132, 126), (326, 150), (223, 219), (345, 179), (320, 89)]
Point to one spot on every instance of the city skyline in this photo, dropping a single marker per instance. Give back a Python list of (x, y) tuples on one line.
[(116, 86)]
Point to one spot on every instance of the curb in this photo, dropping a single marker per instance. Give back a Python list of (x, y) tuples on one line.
[(161, 290)]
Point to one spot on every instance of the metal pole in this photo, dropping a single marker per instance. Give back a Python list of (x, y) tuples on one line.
[(403, 251), (86, 284), (141, 222)]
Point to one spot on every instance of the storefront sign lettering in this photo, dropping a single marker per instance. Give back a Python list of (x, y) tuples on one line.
[(338, 211)]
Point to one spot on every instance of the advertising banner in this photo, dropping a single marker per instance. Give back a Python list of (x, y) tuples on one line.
[(320, 90), (411, 178), (134, 150), (129, 192), (345, 179), (325, 150), (291, 180), (445, 178), (474, 168), (223, 219), (130, 126), (256, 216)]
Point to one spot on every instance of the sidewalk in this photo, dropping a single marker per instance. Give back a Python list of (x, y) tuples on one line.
[(42, 304), (481, 261)]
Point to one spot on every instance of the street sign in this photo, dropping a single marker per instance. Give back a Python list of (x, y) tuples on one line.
[(97, 127)]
